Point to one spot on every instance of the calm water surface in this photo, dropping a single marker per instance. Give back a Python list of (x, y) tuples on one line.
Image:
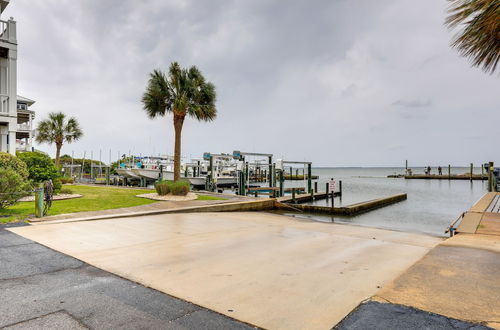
[(431, 206)]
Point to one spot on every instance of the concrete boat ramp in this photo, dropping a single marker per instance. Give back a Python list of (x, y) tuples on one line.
[(267, 270), (278, 272)]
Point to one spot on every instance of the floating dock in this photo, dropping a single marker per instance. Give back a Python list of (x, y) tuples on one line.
[(349, 210)]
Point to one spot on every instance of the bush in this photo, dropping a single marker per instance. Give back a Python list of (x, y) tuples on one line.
[(40, 167), (178, 188), (10, 162), (66, 191), (12, 187), (66, 180), (57, 185), (162, 187)]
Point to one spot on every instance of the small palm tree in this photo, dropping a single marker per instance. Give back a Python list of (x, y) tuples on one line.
[(184, 92), (56, 129), (480, 38)]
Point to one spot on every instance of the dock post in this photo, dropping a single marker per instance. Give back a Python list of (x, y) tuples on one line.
[(490, 177), (482, 172), (270, 164), (449, 172), (309, 180), (333, 202), (406, 167), (312, 195), (326, 189), (272, 175), (471, 169), (316, 186), (293, 195), (340, 187), (39, 195), (281, 183)]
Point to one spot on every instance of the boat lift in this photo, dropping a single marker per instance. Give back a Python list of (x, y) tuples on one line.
[(244, 171), (210, 183), (280, 166)]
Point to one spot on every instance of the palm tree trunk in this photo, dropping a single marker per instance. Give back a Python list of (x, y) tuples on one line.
[(58, 154), (178, 122)]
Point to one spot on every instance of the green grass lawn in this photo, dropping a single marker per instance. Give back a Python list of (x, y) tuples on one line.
[(210, 198), (94, 199)]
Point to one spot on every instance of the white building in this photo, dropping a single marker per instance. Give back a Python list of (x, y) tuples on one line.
[(15, 118)]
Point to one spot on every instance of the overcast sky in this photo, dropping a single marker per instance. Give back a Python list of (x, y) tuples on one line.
[(337, 82)]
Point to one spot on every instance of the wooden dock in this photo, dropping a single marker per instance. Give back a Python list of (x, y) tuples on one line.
[(446, 177), (483, 217), (349, 210)]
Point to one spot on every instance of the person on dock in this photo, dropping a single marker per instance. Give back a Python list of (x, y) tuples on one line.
[(440, 170)]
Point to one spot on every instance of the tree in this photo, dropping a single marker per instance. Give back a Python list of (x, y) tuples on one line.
[(183, 92), (14, 182), (479, 40), (57, 129), (40, 166)]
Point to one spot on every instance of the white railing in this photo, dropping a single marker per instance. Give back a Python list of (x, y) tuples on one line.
[(4, 30), (24, 127), (4, 104)]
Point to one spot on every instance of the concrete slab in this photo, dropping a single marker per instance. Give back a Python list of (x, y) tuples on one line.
[(457, 279), (264, 269)]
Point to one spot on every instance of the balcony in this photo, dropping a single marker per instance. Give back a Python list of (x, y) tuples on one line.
[(25, 127), (4, 104), (8, 31)]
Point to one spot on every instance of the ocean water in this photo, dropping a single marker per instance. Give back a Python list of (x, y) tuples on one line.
[(431, 205)]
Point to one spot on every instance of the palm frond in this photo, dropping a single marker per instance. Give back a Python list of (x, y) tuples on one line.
[(479, 39)]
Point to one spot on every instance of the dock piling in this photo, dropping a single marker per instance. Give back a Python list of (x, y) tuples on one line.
[(315, 186), (471, 169), (449, 172)]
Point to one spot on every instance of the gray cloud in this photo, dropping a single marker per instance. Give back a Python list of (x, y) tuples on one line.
[(413, 103), (299, 80)]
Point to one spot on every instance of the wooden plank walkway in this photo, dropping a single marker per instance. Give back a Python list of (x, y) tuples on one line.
[(483, 217), (494, 206)]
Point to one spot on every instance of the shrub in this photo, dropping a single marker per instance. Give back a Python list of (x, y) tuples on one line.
[(12, 187), (57, 185), (180, 188), (40, 166), (66, 191), (66, 180), (8, 161), (162, 187)]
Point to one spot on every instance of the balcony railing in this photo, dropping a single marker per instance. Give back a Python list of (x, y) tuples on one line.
[(4, 104), (8, 31), (23, 127), (4, 30)]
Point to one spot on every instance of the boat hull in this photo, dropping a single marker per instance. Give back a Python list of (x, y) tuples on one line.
[(127, 172)]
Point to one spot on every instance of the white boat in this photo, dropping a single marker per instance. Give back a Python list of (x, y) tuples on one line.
[(127, 172)]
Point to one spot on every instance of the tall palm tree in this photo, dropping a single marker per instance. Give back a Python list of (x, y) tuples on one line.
[(479, 40), (183, 92), (58, 129)]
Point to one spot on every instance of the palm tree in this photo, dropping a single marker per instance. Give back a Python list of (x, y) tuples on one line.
[(480, 38), (56, 129), (184, 92)]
